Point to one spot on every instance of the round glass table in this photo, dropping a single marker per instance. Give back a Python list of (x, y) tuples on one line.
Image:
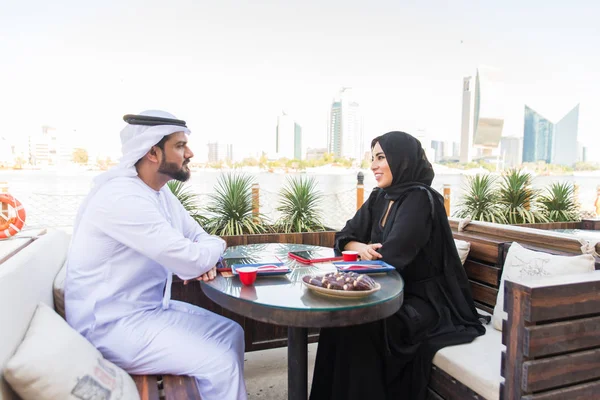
[(284, 300)]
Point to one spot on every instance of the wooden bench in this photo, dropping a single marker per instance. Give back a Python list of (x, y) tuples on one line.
[(167, 387), (551, 329)]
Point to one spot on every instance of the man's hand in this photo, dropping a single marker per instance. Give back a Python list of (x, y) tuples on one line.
[(209, 276)]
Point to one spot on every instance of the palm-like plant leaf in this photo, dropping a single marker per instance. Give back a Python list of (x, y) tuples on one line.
[(230, 207), (559, 204), (188, 199), (480, 202), (299, 203), (518, 199)]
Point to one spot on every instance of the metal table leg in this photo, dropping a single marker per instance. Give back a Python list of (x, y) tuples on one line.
[(297, 363)]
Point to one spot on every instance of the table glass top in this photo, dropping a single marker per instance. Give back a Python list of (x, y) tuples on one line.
[(288, 291)]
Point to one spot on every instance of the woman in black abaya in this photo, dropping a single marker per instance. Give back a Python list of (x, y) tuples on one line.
[(403, 223)]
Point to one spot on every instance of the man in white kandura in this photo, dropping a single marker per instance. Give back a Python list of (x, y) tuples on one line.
[(130, 236)]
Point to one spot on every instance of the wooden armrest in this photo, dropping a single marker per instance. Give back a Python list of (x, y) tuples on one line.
[(175, 387), (550, 336), (180, 387), (147, 386)]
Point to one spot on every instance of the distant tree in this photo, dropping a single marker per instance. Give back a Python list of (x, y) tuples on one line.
[(19, 162), (80, 156), (250, 162), (220, 164), (262, 161), (328, 158), (103, 163), (586, 166)]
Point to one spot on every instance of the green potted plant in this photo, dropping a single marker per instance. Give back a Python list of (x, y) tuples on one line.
[(299, 205), (232, 212), (558, 203), (230, 207), (188, 199), (518, 199), (481, 202)]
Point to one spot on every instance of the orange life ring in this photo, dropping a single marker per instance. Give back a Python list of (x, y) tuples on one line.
[(10, 226)]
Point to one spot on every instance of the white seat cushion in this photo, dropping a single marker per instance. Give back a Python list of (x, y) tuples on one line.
[(476, 364), (524, 265)]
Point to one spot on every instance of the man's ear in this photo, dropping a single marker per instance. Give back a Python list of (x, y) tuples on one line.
[(153, 154)]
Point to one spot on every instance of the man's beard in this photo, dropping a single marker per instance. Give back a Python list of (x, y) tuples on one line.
[(172, 169)]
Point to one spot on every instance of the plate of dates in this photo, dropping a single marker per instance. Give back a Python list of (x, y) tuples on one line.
[(342, 284)]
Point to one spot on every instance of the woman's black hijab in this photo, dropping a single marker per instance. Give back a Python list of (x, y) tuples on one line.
[(407, 161)]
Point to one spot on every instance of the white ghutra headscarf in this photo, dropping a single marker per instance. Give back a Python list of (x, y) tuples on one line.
[(136, 141)]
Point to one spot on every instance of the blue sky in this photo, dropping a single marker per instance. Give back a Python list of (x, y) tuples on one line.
[(230, 67)]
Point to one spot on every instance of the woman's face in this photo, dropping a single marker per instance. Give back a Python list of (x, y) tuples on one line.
[(380, 167)]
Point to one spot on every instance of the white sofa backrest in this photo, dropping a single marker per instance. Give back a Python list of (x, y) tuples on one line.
[(25, 280)]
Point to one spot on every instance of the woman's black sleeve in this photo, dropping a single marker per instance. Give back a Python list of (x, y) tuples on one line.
[(410, 231), (358, 228)]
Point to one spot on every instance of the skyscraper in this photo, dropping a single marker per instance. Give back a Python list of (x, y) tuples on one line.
[(511, 150), (438, 147), (219, 152), (51, 147), (538, 133), (482, 114), (288, 137), (549, 142), (345, 137), (297, 142), (565, 138), (444, 150)]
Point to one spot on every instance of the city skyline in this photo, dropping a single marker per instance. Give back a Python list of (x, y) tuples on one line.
[(228, 76)]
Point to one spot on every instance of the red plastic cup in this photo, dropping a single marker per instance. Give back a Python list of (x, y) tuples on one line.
[(247, 274), (350, 255)]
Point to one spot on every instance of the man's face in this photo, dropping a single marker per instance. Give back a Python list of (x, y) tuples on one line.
[(176, 157)]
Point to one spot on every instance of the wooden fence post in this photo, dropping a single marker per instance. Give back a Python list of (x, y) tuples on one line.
[(576, 196), (255, 201), (360, 190), (526, 203), (597, 203), (447, 191)]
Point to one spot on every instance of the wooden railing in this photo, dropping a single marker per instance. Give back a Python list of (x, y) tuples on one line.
[(555, 242)]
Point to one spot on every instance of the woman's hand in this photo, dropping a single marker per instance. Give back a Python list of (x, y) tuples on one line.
[(369, 251), (365, 251)]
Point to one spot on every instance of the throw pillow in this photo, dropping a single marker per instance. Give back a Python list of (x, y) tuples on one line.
[(523, 264), (463, 248), (56, 362)]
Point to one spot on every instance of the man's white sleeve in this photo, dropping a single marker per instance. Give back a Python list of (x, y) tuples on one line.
[(136, 222), (192, 229)]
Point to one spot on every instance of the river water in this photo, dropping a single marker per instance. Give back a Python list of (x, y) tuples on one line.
[(52, 197)]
